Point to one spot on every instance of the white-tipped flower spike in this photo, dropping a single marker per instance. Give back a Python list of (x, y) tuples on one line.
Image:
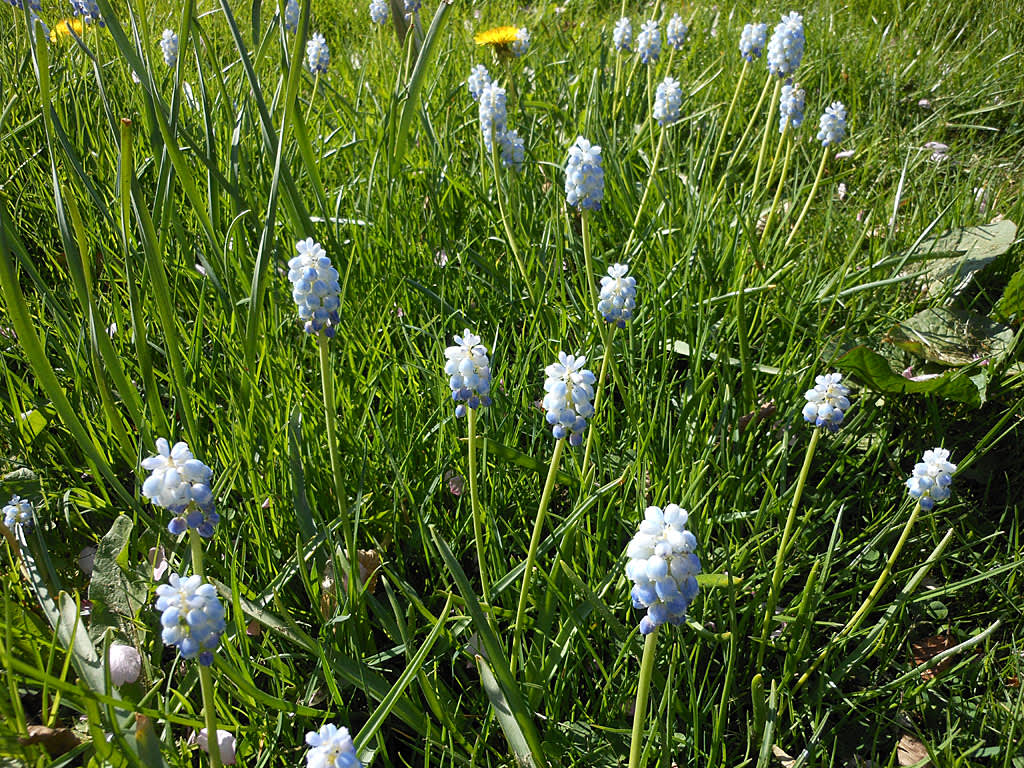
[(752, 41), (827, 402), (648, 43), (180, 483), (791, 107), (492, 112), (622, 36), (226, 745), (512, 150), (192, 617), (676, 32), (379, 11), (667, 98), (411, 6), (18, 512), (618, 295), (521, 44), (663, 566), (469, 372), (169, 46), (584, 176), (318, 56), (478, 78), (89, 10), (786, 48), (125, 664), (568, 390), (832, 126), (315, 287), (331, 747), (931, 479), (291, 15)]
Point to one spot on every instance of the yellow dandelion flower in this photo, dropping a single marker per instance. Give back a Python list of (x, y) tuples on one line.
[(65, 27), (498, 36)]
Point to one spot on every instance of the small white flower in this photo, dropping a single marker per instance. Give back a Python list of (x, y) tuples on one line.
[(125, 664), (827, 402), (225, 742), (932, 478)]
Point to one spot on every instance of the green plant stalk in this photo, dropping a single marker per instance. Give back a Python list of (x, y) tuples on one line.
[(331, 419), (205, 677), (642, 690), (810, 197), (746, 367), (531, 555), (788, 141), (772, 106), (728, 118), (647, 192), (505, 222), (585, 484), (743, 139), (780, 556), (591, 290), (474, 501)]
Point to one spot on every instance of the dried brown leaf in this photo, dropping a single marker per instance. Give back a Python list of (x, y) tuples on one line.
[(911, 751)]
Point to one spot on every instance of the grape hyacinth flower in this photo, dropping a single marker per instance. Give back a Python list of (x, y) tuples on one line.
[(618, 295), (315, 287), (832, 124), (192, 617), (752, 41), (318, 56), (791, 107), (584, 176), (521, 44), (569, 389), (663, 566), (169, 46), (18, 512), (827, 402), (667, 99), (469, 372), (125, 664), (676, 32), (622, 36), (180, 483), (411, 6), (89, 10), (492, 112), (379, 11), (478, 79), (512, 150), (331, 747), (648, 42), (786, 48), (33, 5), (931, 479), (291, 15)]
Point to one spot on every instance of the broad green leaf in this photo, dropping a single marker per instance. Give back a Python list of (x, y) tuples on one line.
[(115, 594), (964, 253), (874, 372), (513, 733), (1011, 304), (953, 337)]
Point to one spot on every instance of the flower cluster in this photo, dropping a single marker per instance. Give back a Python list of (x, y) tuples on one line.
[(648, 42), (521, 44), (676, 32), (618, 295), (832, 126), (827, 402), (33, 5), (291, 15), (192, 617), (169, 47), (622, 36), (411, 6), (89, 10), (378, 11), (331, 747), (667, 98), (469, 372), (584, 176), (663, 566), (17, 512), (512, 150), (180, 483), (568, 390), (315, 287), (478, 79), (752, 41), (492, 112), (791, 107), (932, 478), (318, 56), (786, 48)]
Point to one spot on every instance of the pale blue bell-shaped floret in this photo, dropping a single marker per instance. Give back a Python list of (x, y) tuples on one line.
[(932, 478), (315, 288), (676, 31), (18, 511), (584, 175), (291, 15), (33, 5), (478, 79), (617, 299), (411, 6), (752, 41), (169, 47), (786, 48), (492, 112), (568, 392), (89, 10), (667, 98), (192, 617), (791, 107), (827, 402), (622, 35), (521, 44), (469, 372), (663, 566), (513, 152), (379, 10), (331, 747), (832, 125), (180, 483), (648, 43), (318, 56)]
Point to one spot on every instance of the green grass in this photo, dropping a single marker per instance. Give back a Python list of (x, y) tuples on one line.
[(232, 158)]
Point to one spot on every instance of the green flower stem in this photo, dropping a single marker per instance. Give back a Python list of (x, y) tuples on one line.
[(312, 98), (787, 139), (742, 329), (531, 555), (642, 690), (743, 139), (772, 106), (810, 197), (728, 118), (475, 504), (780, 556), (647, 192), (505, 222), (607, 333), (589, 262), (205, 677)]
